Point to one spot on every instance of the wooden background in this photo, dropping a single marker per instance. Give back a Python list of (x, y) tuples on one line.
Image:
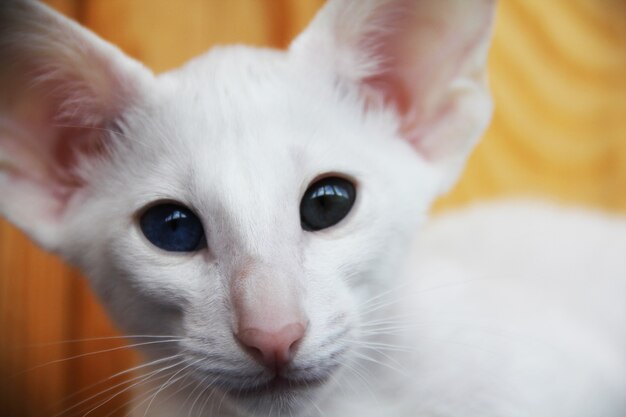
[(558, 71)]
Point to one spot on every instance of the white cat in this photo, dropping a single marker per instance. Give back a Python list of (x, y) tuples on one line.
[(256, 214)]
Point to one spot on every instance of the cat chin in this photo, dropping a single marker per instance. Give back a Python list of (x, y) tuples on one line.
[(280, 397), (275, 396)]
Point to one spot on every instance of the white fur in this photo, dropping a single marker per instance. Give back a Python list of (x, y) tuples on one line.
[(505, 310)]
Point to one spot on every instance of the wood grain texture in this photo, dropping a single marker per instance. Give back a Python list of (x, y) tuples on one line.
[(558, 73)]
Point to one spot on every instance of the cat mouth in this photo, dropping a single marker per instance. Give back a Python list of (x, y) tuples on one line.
[(277, 385), (254, 384), (242, 385)]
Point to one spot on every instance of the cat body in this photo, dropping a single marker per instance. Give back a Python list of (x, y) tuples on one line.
[(256, 215)]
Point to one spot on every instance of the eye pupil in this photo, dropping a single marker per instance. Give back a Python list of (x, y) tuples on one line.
[(326, 202), (172, 227), (174, 219)]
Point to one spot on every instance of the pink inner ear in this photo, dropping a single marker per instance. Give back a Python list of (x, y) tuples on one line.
[(403, 63), (60, 172), (388, 90), (430, 65), (392, 90), (74, 145), (61, 107)]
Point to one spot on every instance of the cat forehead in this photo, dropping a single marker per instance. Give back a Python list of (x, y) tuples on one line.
[(239, 93), (239, 106)]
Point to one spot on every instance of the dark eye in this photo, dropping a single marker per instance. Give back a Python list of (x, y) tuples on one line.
[(326, 202), (172, 227)]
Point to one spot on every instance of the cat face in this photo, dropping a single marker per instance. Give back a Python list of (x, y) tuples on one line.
[(242, 167), (384, 109)]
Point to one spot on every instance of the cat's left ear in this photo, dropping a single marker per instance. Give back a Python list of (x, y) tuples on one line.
[(426, 59), (62, 91)]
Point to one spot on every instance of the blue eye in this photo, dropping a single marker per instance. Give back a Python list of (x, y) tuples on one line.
[(172, 227)]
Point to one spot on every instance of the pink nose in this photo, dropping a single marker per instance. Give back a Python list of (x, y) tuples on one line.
[(273, 349)]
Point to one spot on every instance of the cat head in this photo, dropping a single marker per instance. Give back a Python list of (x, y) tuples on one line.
[(251, 202)]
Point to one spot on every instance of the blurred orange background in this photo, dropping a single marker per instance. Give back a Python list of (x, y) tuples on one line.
[(558, 74)]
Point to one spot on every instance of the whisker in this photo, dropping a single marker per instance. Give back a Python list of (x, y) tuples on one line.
[(337, 377), (201, 393), (198, 385), (82, 355), (380, 298), (219, 406), (181, 388), (96, 339), (401, 318), (351, 366), (385, 331), (379, 306), (167, 383), (132, 369), (391, 322), (145, 394), (135, 382), (380, 345), (208, 398), (378, 362), (92, 397)]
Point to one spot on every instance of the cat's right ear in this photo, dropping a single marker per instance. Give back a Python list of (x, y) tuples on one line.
[(61, 90)]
